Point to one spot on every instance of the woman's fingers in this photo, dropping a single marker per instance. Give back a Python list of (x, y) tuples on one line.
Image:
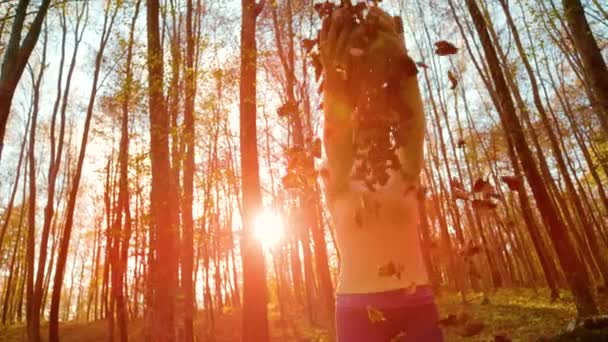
[(338, 20), (324, 30), (342, 45), (385, 22)]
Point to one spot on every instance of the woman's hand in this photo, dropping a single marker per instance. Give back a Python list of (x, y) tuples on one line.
[(356, 59), (335, 40)]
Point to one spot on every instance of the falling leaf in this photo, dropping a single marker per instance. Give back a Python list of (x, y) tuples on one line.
[(370, 205), (460, 194), (290, 181), (374, 315), (309, 44), (295, 158), (408, 190), (359, 218), (359, 9), (390, 269), (448, 321), (501, 338), (316, 148), (411, 289), (471, 250), (456, 184), (286, 109), (398, 337), (472, 328), (341, 70), (407, 66), (484, 205), (324, 8), (453, 80), (494, 195), (422, 65), (422, 190), (324, 173), (444, 48), (356, 52), (462, 318), (473, 272), (513, 182), (482, 186), (595, 322), (317, 65), (461, 143)]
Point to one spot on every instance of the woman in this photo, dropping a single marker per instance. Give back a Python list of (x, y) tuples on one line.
[(383, 291)]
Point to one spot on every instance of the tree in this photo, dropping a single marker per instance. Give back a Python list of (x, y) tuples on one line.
[(255, 316), (594, 66), (188, 180), (16, 56), (163, 270), (110, 12), (121, 228)]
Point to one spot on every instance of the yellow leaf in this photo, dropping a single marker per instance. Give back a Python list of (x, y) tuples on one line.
[(374, 315)]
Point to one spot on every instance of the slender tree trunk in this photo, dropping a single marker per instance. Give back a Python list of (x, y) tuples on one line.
[(594, 66), (163, 198), (71, 206), (33, 318), (188, 181), (11, 201), (14, 271), (16, 55), (255, 317)]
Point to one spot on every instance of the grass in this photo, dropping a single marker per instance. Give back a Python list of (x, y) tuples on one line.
[(521, 314)]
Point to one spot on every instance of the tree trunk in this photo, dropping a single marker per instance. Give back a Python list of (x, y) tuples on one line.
[(122, 218), (33, 318), (16, 56), (71, 206), (594, 66), (255, 317), (188, 181), (164, 213)]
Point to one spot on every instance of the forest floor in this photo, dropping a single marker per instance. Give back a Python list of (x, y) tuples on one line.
[(519, 314)]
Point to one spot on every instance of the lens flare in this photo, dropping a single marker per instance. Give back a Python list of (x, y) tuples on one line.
[(269, 228)]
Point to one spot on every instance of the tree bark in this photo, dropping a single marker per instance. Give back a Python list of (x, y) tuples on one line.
[(164, 211), (188, 180), (594, 66), (33, 318), (255, 316), (16, 56), (73, 193)]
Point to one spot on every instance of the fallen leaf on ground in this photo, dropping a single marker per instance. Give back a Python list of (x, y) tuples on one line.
[(472, 328)]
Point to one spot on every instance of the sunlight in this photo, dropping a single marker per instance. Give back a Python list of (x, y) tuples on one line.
[(269, 229)]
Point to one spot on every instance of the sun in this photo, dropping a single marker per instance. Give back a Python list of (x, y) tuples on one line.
[(268, 228)]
